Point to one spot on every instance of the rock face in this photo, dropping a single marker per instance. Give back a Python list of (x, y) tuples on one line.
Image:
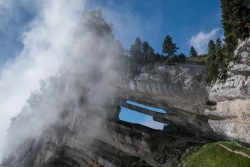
[(233, 97), (86, 130), (221, 111), (84, 138), (178, 89), (117, 143)]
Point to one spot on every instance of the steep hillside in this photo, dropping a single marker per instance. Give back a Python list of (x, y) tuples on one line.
[(218, 154)]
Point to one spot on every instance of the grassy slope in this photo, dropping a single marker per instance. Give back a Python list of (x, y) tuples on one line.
[(213, 155), (199, 59)]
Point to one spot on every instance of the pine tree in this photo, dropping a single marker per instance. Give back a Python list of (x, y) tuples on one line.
[(211, 47), (219, 51), (136, 51), (168, 47), (220, 59), (131, 51), (151, 55), (145, 47), (211, 65), (182, 57), (235, 21), (157, 57), (193, 52), (212, 68), (218, 44), (138, 44)]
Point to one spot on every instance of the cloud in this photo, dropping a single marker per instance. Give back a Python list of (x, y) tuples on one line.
[(45, 41), (200, 41), (149, 122)]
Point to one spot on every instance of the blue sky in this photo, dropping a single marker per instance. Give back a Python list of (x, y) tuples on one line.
[(27, 27), (153, 20), (136, 117), (150, 20)]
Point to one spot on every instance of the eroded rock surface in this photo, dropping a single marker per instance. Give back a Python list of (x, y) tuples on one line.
[(111, 143), (233, 97), (86, 130)]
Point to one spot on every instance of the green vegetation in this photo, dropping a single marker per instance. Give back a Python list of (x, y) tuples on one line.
[(151, 55), (136, 51), (235, 22), (168, 47), (193, 52), (214, 155), (216, 61), (235, 147), (201, 59)]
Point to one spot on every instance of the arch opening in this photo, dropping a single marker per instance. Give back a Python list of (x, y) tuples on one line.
[(139, 118)]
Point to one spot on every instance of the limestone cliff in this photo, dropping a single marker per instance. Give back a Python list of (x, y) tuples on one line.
[(83, 126), (179, 89), (113, 143), (233, 97), (220, 111), (96, 137)]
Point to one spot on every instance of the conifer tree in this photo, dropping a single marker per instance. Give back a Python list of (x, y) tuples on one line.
[(211, 65), (145, 47), (219, 52), (157, 57), (235, 22), (211, 47), (218, 44), (151, 55), (136, 51), (182, 57), (168, 47), (193, 52)]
